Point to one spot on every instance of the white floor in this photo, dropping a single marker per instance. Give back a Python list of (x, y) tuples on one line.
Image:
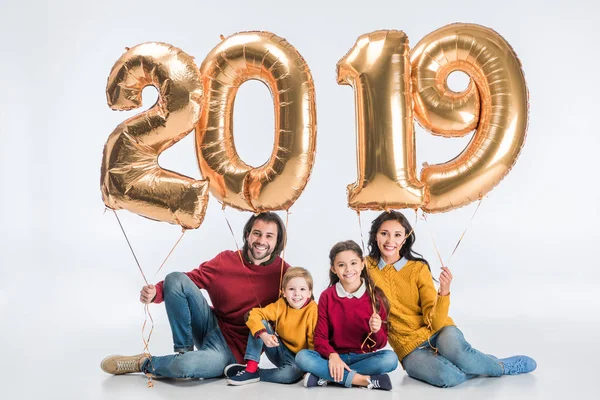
[(66, 366)]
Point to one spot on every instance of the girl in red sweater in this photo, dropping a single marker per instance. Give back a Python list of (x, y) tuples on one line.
[(350, 328)]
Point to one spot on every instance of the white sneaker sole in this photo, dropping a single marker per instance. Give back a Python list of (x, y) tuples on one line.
[(240, 383)]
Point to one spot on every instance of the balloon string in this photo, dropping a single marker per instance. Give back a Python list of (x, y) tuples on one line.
[(362, 239), (465, 231), (170, 252), (130, 248), (424, 218), (239, 252), (281, 289), (146, 351), (147, 313)]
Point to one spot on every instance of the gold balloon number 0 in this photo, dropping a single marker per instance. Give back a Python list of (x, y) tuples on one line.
[(392, 87)]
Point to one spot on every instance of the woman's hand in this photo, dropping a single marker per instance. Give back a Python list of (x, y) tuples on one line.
[(445, 280), (337, 367), (375, 323)]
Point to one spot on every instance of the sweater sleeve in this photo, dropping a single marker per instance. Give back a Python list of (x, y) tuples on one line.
[(311, 323), (321, 339), (434, 307), (197, 276), (269, 313)]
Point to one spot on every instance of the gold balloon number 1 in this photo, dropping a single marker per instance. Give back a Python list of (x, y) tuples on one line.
[(391, 83), (392, 87)]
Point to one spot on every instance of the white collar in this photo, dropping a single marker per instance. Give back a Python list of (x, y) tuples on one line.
[(397, 265), (358, 294)]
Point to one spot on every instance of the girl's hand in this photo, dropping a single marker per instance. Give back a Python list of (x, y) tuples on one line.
[(269, 340), (445, 279), (337, 367), (375, 323)]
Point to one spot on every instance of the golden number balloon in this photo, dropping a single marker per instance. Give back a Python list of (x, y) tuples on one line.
[(131, 178), (387, 87), (502, 110), (270, 59), (378, 68)]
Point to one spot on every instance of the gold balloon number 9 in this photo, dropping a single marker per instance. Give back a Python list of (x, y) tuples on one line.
[(392, 86)]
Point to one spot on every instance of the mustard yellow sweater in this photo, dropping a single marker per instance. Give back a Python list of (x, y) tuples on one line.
[(416, 310), (296, 328)]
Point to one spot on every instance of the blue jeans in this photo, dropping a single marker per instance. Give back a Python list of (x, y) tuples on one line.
[(455, 362), (287, 370), (378, 362), (192, 323)]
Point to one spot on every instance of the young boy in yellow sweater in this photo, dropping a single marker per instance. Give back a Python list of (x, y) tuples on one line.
[(428, 344), (295, 317)]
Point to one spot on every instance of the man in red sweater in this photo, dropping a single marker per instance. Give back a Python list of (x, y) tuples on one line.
[(236, 282)]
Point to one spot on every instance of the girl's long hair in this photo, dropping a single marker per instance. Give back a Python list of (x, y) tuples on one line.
[(373, 291)]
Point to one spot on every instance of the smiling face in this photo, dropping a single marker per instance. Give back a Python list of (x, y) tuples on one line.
[(297, 292), (261, 240), (348, 265), (391, 235)]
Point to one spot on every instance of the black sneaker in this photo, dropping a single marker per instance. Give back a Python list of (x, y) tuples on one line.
[(381, 382), (232, 369), (311, 380), (244, 377)]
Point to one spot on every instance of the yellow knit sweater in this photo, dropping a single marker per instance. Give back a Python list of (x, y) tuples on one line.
[(416, 310), (296, 328)]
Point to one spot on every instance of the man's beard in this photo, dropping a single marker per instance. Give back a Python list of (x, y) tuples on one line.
[(267, 253)]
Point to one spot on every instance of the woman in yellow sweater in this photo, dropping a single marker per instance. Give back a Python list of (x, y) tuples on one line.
[(428, 344), (295, 317)]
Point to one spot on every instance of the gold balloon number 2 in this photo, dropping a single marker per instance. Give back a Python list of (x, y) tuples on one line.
[(392, 84)]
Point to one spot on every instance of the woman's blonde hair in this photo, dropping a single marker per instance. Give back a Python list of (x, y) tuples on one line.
[(298, 272)]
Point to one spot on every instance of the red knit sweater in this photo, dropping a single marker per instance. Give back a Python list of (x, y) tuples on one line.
[(343, 324), (234, 290)]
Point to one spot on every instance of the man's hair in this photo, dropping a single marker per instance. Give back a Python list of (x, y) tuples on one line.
[(267, 217)]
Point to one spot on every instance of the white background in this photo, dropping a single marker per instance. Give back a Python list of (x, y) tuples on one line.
[(525, 275)]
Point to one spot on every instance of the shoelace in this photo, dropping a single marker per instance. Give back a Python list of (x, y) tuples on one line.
[(322, 382), (517, 366), (373, 384), (241, 373), (130, 365)]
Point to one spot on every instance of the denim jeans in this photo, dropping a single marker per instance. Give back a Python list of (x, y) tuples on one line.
[(455, 362), (192, 323), (287, 370), (378, 362)]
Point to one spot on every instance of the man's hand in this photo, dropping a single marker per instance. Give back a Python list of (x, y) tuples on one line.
[(147, 294), (269, 340)]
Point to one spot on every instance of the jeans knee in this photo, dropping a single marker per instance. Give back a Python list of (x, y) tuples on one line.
[(450, 334), (267, 326), (303, 359), (389, 361), (175, 280)]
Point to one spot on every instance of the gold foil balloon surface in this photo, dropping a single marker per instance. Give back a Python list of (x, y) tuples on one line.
[(501, 114), (388, 87), (131, 178), (272, 60)]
